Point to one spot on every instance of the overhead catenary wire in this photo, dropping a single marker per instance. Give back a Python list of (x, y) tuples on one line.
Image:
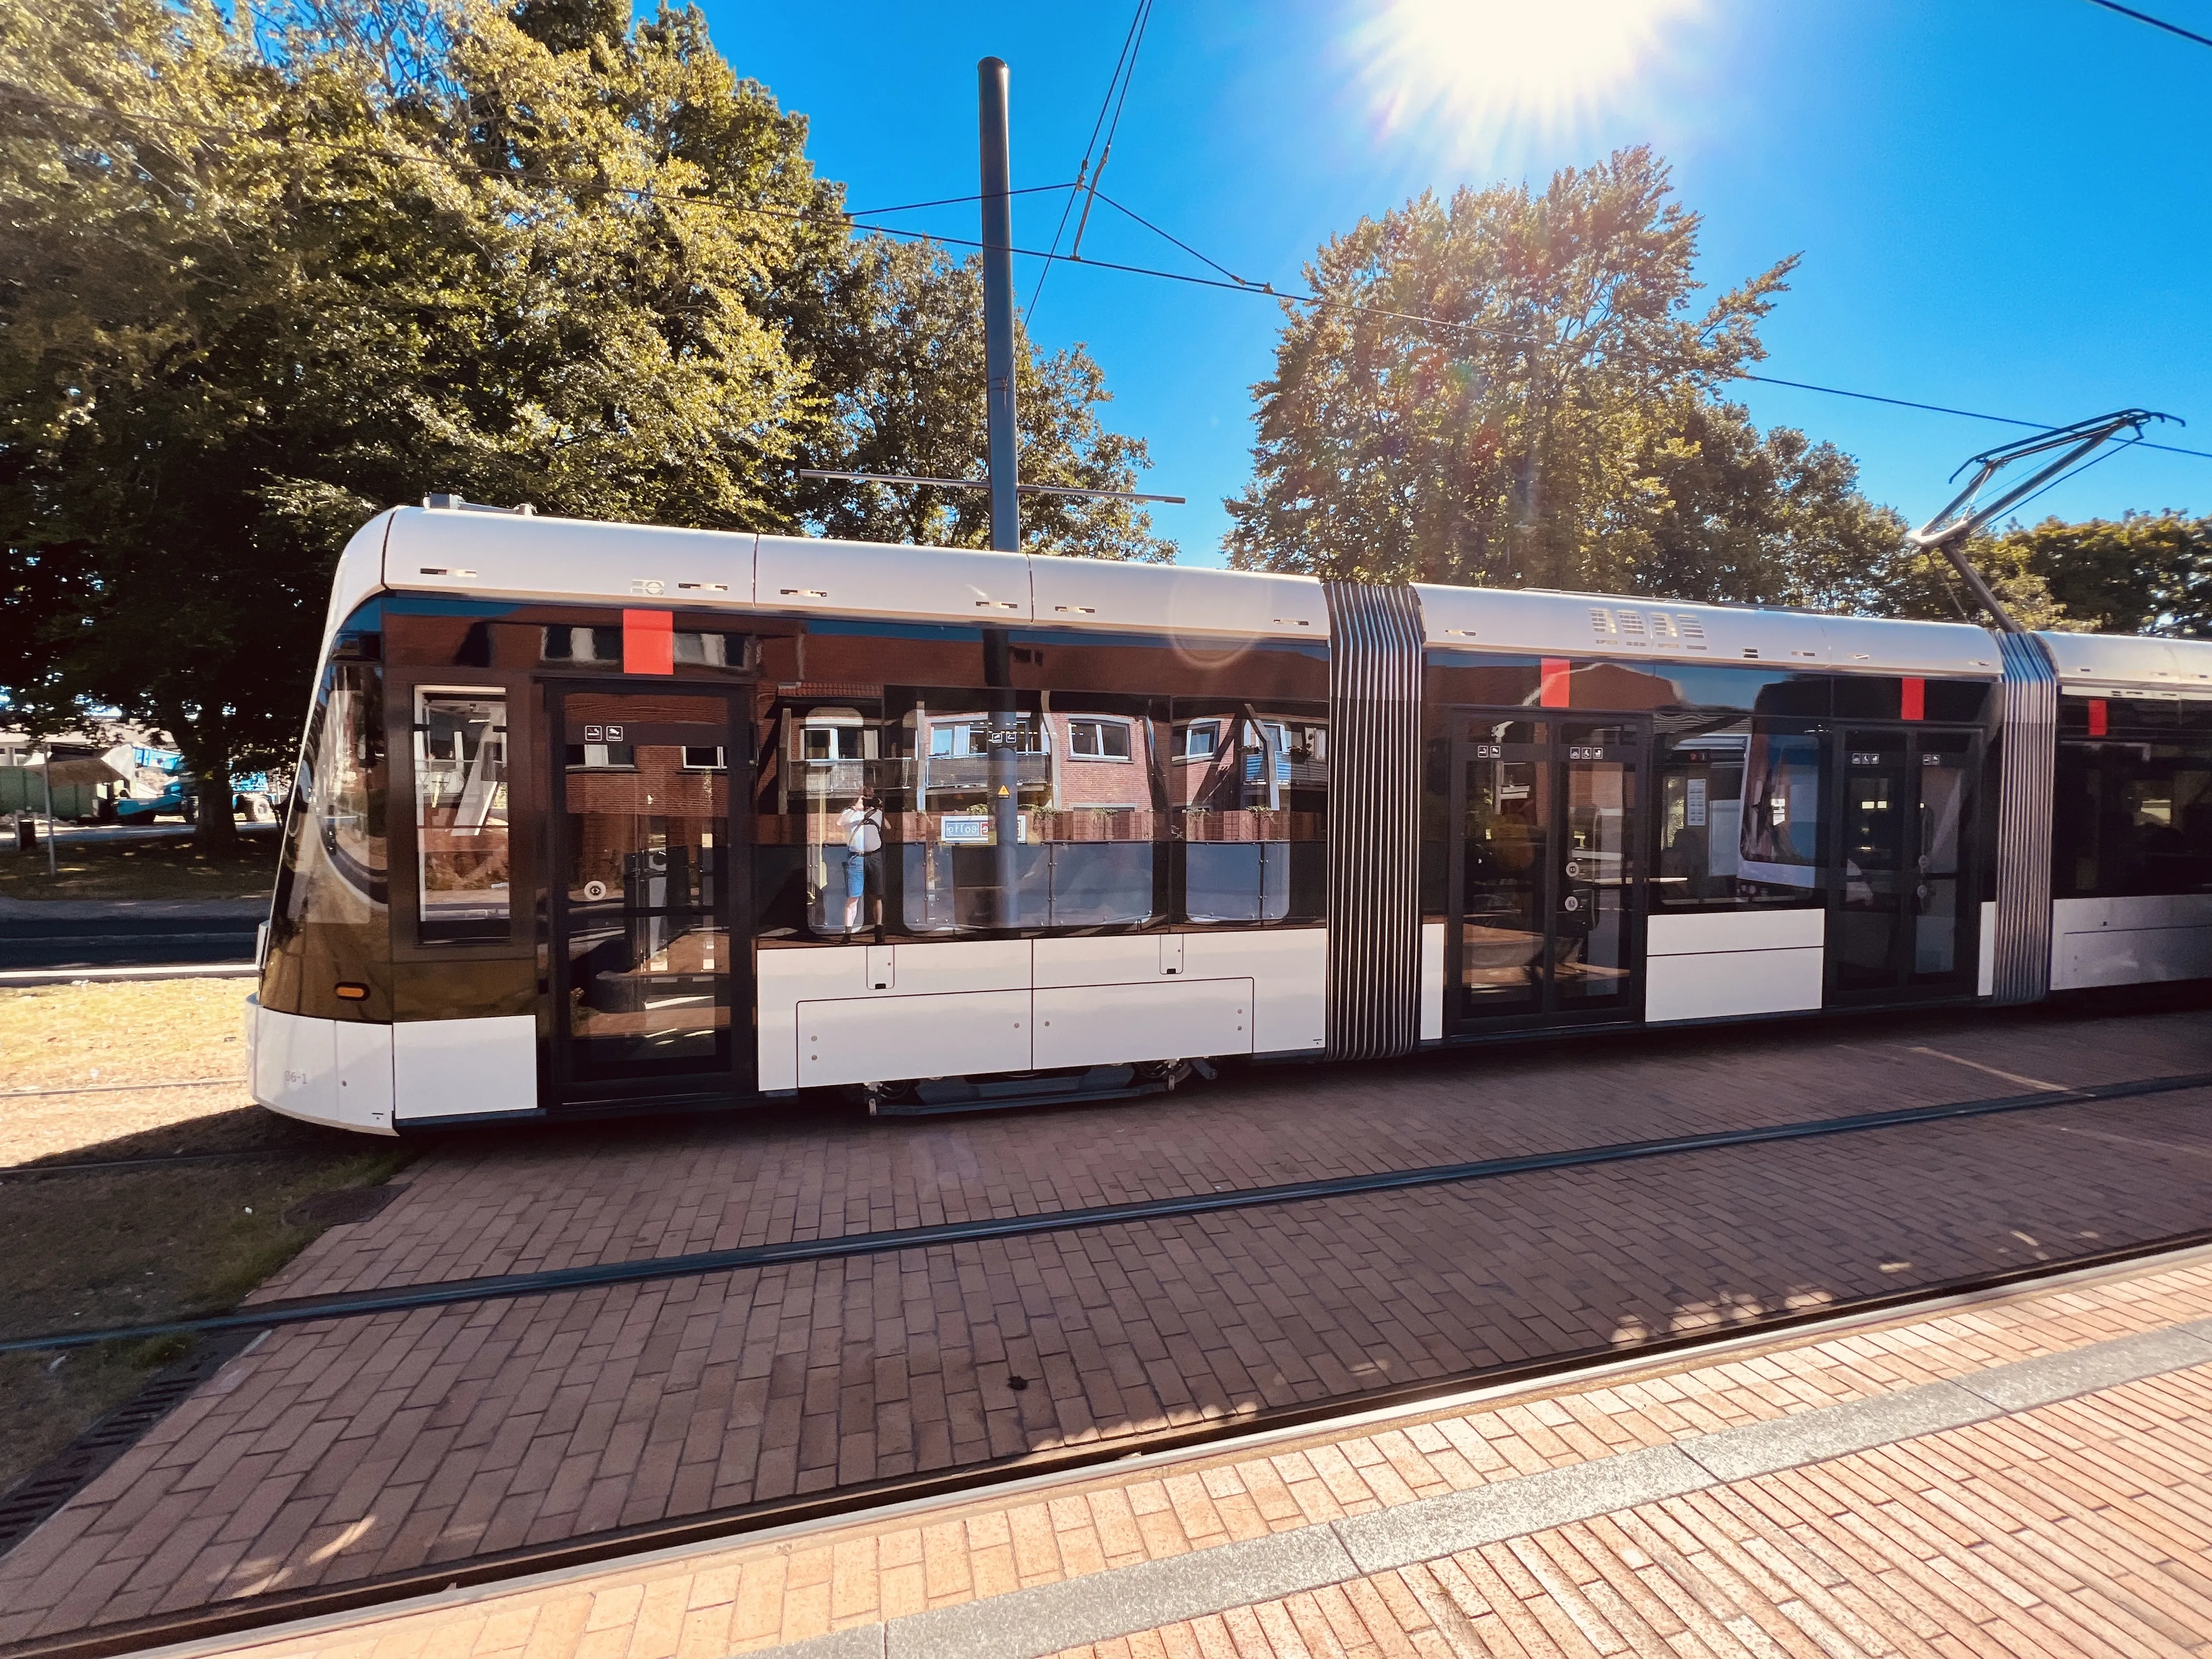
[(948, 201), (1187, 278), (2155, 22), (1964, 414), (1128, 40), (1144, 17)]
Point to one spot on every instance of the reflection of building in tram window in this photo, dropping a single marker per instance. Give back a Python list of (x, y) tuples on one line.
[(1099, 740), (461, 816), (1074, 797), (1252, 791)]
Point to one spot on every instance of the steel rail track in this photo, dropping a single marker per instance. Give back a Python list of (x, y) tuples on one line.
[(259, 1613), (356, 1304)]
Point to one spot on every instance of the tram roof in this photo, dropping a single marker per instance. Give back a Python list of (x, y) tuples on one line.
[(495, 554)]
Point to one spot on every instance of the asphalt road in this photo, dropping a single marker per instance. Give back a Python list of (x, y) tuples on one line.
[(125, 940)]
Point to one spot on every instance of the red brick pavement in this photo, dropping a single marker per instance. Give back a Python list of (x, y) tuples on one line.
[(517, 1202), (365, 1447), (2076, 1528)]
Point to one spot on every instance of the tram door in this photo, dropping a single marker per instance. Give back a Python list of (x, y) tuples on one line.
[(1903, 912), (1545, 885), (650, 970)]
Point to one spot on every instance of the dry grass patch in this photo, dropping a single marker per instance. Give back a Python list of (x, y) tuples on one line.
[(148, 866), (57, 1036)]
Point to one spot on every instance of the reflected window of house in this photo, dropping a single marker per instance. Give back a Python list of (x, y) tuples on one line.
[(1252, 802), (1099, 740)]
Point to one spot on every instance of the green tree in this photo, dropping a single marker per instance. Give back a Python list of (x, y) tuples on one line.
[(898, 346), (258, 282), (1768, 517), (2143, 573), (1484, 394)]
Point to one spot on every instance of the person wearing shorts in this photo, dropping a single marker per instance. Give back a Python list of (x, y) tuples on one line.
[(862, 825)]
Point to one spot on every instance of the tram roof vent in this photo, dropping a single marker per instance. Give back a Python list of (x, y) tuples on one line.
[(459, 504)]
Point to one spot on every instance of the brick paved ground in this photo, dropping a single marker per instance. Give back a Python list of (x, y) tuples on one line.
[(509, 1202), (2079, 1527), (359, 1447)]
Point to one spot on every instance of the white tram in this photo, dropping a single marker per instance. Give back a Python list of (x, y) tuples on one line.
[(597, 818)]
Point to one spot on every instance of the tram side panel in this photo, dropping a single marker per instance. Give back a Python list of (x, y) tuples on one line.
[(1764, 810), (2131, 854), (988, 851)]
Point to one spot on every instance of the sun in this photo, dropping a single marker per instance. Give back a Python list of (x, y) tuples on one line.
[(1492, 67)]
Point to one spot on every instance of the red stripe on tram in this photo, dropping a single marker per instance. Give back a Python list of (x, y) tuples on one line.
[(648, 642)]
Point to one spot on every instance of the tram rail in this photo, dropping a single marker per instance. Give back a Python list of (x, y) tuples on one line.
[(356, 1304)]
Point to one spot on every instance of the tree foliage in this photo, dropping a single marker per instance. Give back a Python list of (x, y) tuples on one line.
[(1515, 388), (897, 337), (2143, 573), (258, 280), (1492, 385)]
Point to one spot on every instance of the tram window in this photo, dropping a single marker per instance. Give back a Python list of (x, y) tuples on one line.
[(837, 786), (2133, 818), (1780, 840), (1252, 817), (1738, 819), (328, 922), (461, 816), (692, 647), (592, 645), (1025, 818)]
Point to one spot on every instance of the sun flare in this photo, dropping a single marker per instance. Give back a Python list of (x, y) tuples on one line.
[(1491, 66)]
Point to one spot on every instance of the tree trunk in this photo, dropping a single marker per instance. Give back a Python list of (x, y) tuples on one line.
[(207, 764), (214, 830)]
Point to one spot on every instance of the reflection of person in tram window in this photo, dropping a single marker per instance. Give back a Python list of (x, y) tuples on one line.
[(862, 825)]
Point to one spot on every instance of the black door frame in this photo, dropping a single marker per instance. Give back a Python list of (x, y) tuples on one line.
[(1964, 980), (1461, 745), (564, 1090)]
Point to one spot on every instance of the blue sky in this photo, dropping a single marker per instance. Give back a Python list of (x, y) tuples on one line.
[(2003, 205)]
